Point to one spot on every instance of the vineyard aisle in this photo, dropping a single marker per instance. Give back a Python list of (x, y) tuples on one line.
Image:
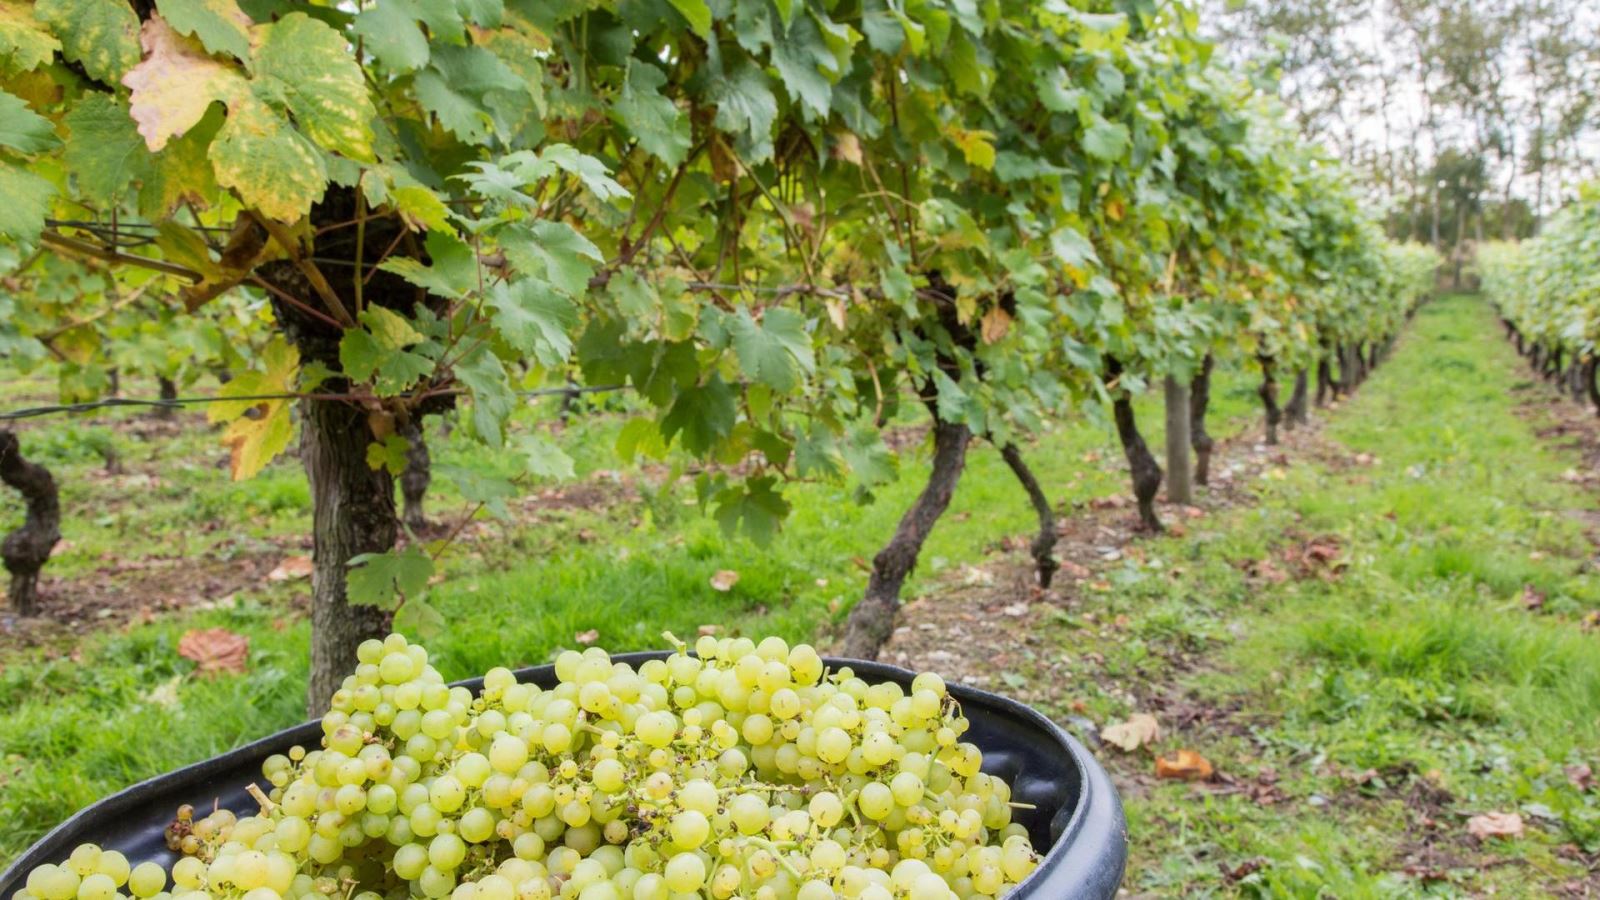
[(1395, 640)]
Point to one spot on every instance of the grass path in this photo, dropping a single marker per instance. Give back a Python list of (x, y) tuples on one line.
[(1391, 641)]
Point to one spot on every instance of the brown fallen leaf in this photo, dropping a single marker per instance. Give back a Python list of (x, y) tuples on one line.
[(1580, 776), (292, 568), (708, 630), (1188, 765), (215, 650), (724, 580), (587, 637), (1140, 729), (1532, 599), (1591, 621), (1495, 824)]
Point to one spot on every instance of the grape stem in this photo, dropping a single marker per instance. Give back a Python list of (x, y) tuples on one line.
[(267, 806)]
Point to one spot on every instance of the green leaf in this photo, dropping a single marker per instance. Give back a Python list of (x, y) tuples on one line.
[(100, 35), (27, 202), (391, 330), (798, 59), (869, 458), (756, 510), (745, 102), (220, 25), (700, 416), (104, 151), (777, 352), (24, 45), (697, 13), (655, 121), (555, 250), (535, 319), (22, 129), (272, 167), (383, 579), (453, 272), (1105, 140), (421, 617), (589, 170), (388, 30), (309, 66), (542, 458), (388, 454), (457, 87), (481, 372)]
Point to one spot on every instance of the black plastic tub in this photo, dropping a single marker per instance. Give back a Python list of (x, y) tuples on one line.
[(1077, 814)]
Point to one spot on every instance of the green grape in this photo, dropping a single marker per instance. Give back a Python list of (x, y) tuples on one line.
[(685, 872)]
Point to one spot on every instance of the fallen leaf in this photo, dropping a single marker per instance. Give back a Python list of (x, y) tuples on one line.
[(291, 569), (587, 637), (1580, 776), (724, 580), (165, 693), (708, 630), (1591, 621), (1186, 764), (1138, 730), (1495, 824), (215, 650), (1532, 599)]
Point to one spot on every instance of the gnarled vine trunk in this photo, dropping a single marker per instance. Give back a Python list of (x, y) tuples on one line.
[(168, 391), (872, 620), (352, 513), (26, 550), (1295, 412), (1325, 383), (1180, 473), (1142, 466), (1589, 385), (1199, 437), (1044, 543), (1269, 397), (417, 475)]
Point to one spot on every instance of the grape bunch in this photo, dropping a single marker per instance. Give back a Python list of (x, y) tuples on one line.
[(741, 770)]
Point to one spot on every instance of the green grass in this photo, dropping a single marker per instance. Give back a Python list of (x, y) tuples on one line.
[(1419, 666)]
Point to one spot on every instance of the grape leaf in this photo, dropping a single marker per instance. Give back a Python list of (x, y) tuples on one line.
[(697, 13), (388, 454), (481, 372), (219, 25), (700, 415), (555, 250), (453, 272), (253, 442), (272, 167), (534, 319), (798, 57), (383, 579), (104, 152), (1105, 140), (22, 129), (175, 84), (776, 352), (745, 103), (756, 510), (27, 201), (100, 35), (389, 31), (542, 458), (310, 66), (654, 120), (24, 46)]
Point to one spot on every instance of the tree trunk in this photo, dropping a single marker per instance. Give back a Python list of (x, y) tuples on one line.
[(1044, 543), (1575, 380), (352, 513), (1295, 412), (417, 475), (568, 397), (1343, 385), (1199, 437), (1552, 369), (1374, 356), (1521, 350), (872, 620), (1269, 398), (113, 382), (169, 391), (1180, 475), (1142, 466), (1534, 357), (1589, 383), (26, 550), (1325, 383)]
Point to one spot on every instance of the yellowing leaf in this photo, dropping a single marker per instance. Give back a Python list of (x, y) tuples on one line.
[(272, 167), (976, 146), (24, 46), (996, 323), (175, 84), (255, 441), (219, 25), (100, 35), (311, 67), (1140, 729)]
